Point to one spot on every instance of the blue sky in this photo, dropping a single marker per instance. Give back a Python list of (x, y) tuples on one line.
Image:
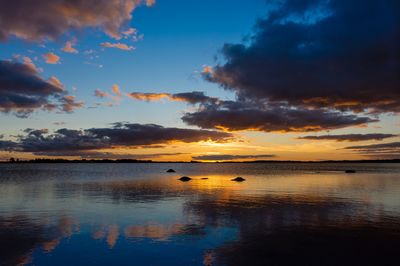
[(178, 40)]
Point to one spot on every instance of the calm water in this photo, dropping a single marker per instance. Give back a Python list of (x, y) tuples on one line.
[(137, 214)]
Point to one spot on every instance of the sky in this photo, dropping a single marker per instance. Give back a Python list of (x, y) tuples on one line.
[(200, 80)]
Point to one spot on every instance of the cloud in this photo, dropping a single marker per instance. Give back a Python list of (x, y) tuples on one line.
[(28, 62), (69, 103), (236, 115), (129, 32), (51, 58), (350, 137), (49, 19), (389, 150), (114, 99), (68, 47), (376, 147), (36, 132), (207, 70), (101, 94), (115, 89), (107, 155), (254, 115), (118, 45), (6, 145), (133, 34), (56, 82), (227, 157), (23, 91), (193, 97), (333, 54), (150, 2), (149, 97), (120, 135)]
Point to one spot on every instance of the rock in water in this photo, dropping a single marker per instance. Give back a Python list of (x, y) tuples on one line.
[(204, 178), (350, 171), (239, 179), (185, 178), (170, 171)]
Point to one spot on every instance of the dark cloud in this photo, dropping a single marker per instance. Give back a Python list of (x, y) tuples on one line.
[(22, 91), (193, 97), (227, 157), (36, 132), (376, 146), (260, 115), (69, 141), (48, 19), (338, 54), (235, 116), (107, 155), (6, 145), (350, 137), (389, 150), (149, 134)]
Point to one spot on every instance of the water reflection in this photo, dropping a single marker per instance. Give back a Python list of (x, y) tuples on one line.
[(20, 235), (293, 218)]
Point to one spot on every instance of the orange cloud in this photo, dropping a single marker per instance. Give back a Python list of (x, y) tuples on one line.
[(150, 2), (28, 62), (56, 82), (207, 70), (114, 99), (149, 97), (129, 31), (133, 34), (118, 45), (193, 97), (70, 104), (68, 48), (51, 58), (115, 89)]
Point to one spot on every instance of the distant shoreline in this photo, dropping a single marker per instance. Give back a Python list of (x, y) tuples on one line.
[(16, 161)]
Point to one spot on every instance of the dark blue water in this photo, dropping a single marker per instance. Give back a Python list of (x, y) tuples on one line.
[(137, 214)]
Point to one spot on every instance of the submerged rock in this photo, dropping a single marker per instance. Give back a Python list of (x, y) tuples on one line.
[(185, 178), (350, 171), (170, 171), (238, 179)]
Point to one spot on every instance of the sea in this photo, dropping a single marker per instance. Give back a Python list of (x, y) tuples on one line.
[(138, 214)]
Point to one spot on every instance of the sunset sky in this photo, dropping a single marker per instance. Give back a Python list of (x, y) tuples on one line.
[(200, 80)]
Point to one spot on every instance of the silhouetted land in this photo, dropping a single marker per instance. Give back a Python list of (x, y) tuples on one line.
[(12, 160)]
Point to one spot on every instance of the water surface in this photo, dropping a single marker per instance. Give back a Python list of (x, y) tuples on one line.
[(137, 214)]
